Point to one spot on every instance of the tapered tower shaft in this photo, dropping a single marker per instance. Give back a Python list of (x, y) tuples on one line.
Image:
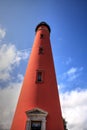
[(38, 106)]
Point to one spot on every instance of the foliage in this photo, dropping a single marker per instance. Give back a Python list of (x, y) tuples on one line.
[(65, 124)]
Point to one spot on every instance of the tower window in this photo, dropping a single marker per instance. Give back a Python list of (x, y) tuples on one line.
[(41, 50), (41, 36), (39, 77)]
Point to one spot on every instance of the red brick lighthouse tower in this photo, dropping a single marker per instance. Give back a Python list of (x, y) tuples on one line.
[(38, 106)]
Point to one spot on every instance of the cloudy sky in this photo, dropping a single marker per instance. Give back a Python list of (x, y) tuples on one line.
[(68, 22)]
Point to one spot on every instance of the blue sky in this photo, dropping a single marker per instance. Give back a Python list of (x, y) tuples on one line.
[(68, 22)]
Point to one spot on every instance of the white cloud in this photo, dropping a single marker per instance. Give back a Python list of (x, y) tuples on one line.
[(9, 58), (8, 100), (61, 86), (74, 108), (72, 73), (2, 33), (20, 77), (4, 75)]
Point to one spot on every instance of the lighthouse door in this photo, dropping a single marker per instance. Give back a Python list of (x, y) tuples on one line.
[(36, 125), (36, 119)]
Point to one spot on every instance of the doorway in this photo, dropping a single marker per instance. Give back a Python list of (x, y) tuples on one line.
[(35, 125)]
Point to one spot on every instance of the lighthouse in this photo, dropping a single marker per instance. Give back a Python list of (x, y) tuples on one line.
[(38, 106)]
